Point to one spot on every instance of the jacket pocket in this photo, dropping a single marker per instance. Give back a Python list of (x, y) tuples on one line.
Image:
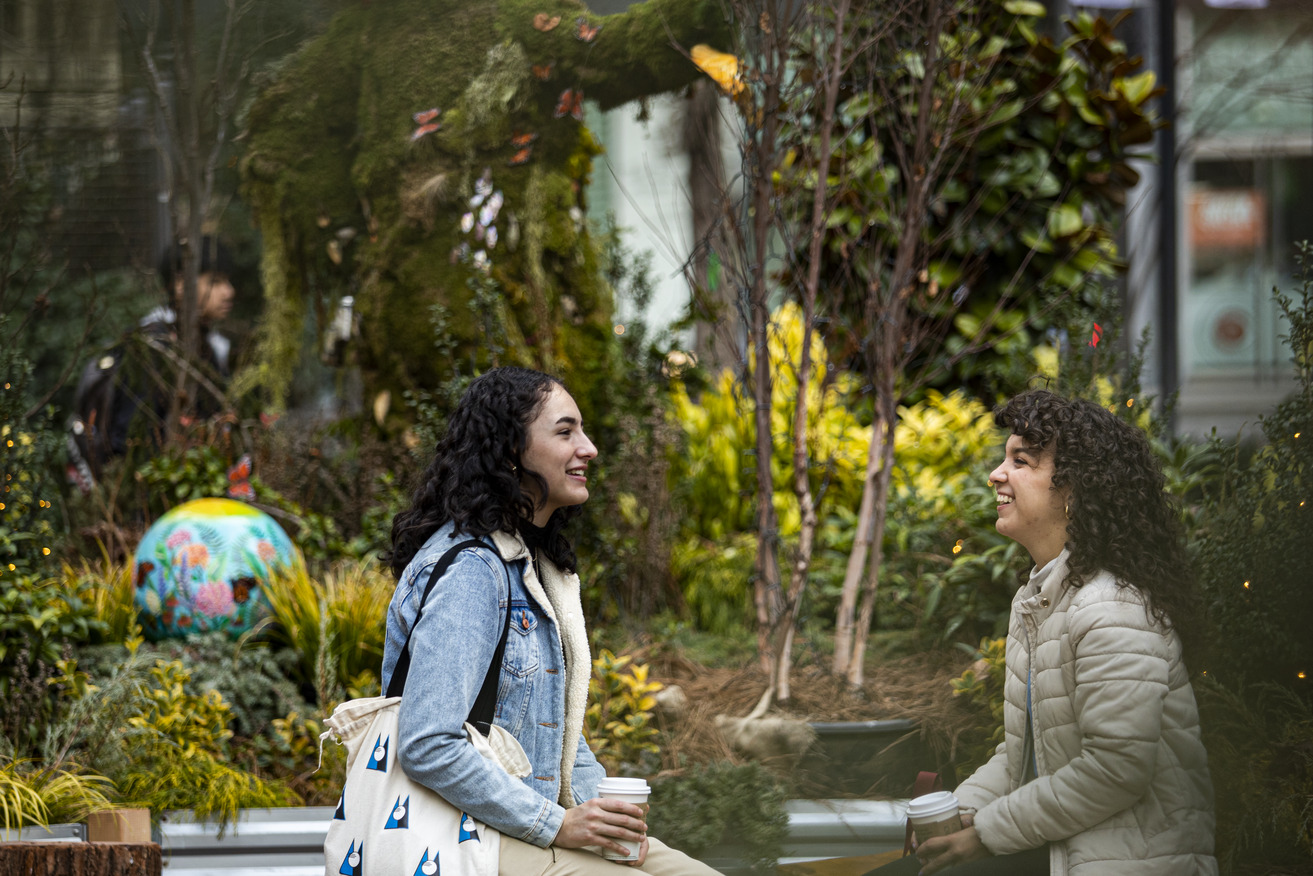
[(522, 657)]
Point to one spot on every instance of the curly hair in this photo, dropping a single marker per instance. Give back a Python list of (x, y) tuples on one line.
[(473, 479), (1121, 517)]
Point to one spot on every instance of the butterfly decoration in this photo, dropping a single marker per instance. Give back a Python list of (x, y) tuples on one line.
[(523, 145), (585, 32), (543, 72), (571, 102), (544, 22), (1097, 336), (143, 572), (239, 480), (722, 67), (428, 122)]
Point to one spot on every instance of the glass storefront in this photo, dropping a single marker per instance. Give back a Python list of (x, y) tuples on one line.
[(1247, 145)]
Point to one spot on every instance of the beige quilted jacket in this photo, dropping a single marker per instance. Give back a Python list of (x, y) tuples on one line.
[(1122, 786)]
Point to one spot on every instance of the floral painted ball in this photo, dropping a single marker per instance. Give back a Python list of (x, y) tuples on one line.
[(204, 565)]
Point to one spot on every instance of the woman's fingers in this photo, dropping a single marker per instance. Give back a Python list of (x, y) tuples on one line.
[(601, 822)]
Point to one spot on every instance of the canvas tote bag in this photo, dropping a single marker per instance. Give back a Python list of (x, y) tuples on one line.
[(385, 823)]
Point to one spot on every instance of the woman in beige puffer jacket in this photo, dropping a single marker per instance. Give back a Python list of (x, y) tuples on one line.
[(1101, 771)]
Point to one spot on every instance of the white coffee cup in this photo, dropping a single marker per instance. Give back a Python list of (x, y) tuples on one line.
[(934, 814), (634, 791)]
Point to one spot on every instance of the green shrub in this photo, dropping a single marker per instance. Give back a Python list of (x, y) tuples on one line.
[(163, 745), (1261, 761), (40, 623), (1254, 547), (981, 686), (722, 807), (1255, 543)]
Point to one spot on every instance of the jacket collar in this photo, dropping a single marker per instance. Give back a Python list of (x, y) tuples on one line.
[(1046, 585)]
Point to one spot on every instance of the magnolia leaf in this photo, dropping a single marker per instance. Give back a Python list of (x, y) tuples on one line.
[(1025, 7)]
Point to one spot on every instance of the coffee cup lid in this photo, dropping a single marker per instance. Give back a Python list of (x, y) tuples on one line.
[(932, 805), (621, 785)]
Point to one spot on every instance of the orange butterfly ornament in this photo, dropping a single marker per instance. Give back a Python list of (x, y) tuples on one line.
[(584, 31), (239, 480), (523, 144), (571, 102)]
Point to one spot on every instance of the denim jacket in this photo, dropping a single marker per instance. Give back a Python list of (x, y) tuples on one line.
[(540, 698)]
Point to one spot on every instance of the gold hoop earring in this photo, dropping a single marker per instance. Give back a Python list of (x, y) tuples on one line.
[(1066, 509)]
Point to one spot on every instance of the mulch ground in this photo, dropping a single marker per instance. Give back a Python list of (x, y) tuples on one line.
[(915, 688)]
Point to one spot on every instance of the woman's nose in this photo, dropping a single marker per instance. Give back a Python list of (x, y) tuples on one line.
[(587, 451), (996, 476)]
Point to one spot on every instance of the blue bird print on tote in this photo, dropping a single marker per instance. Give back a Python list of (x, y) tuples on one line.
[(351, 863), (378, 758), (428, 867), (399, 817), (467, 831)]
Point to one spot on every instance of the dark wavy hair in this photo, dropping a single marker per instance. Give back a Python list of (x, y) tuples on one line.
[(472, 479), (1121, 517)]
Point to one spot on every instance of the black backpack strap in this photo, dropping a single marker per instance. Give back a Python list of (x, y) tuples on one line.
[(486, 702)]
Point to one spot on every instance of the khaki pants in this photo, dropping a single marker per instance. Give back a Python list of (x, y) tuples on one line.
[(519, 858)]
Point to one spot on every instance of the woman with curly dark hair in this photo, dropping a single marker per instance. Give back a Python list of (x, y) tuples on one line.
[(510, 471), (1101, 770)]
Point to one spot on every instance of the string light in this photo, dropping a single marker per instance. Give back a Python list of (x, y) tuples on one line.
[(1301, 675), (1297, 434), (12, 567), (1129, 402), (1246, 585), (957, 548), (619, 329), (45, 552)]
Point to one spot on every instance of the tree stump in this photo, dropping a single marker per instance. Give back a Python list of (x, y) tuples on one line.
[(80, 859)]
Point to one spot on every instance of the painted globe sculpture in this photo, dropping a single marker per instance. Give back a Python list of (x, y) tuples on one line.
[(203, 566)]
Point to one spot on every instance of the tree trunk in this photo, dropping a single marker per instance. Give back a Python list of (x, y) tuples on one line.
[(884, 430), (821, 203), (80, 859), (846, 617)]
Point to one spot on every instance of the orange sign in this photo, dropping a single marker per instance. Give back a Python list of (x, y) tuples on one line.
[(1230, 218)]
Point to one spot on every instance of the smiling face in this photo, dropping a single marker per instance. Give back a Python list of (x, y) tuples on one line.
[(557, 449), (1030, 511)]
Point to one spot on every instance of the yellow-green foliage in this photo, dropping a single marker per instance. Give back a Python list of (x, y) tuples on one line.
[(716, 465), (938, 444), (34, 795), (336, 625), (618, 722), (941, 444), (195, 724), (179, 756), (108, 588)]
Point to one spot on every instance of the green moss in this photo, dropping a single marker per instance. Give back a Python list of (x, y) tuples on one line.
[(331, 154)]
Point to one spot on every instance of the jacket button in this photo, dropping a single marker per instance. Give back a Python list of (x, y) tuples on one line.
[(524, 621), (1043, 602)]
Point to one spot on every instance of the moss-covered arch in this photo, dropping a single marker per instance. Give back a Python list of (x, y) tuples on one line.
[(343, 192)]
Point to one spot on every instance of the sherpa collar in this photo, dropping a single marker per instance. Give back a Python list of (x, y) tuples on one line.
[(557, 593)]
